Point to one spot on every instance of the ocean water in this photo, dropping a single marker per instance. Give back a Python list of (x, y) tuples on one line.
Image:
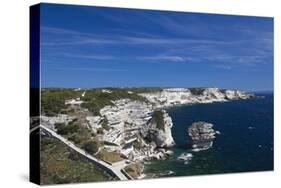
[(244, 145)]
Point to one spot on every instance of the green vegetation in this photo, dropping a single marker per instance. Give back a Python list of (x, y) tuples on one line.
[(105, 124), (100, 131), (110, 156), (77, 139), (75, 132), (145, 89), (91, 146), (60, 164), (53, 100), (134, 169), (96, 99), (158, 118), (137, 145), (63, 129), (95, 103), (197, 91)]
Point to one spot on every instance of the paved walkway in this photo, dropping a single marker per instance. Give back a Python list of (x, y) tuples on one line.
[(115, 168)]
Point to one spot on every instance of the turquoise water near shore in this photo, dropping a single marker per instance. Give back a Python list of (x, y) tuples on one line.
[(244, 145)]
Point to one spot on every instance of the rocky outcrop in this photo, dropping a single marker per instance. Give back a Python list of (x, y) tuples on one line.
[(135, 129), (50, 122), (234, 95), (201, 135), (158, 129)]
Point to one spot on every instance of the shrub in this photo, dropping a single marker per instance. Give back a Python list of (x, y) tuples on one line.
[(53, 100), (137, 144), (77, 139), (63, 129), (91, 146), (105, 124), (197, 91), (100, 131)]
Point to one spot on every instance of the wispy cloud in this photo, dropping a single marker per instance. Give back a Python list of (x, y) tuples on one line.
[(89, 69), (226, 54), (91, 57), (71, 37), (169, 41), (61, 31), (225, 67), (167, 58)]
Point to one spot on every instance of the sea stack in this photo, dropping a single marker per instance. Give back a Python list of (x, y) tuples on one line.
[(201, 135), (158, 129)]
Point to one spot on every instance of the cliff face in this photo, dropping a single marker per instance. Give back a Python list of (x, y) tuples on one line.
[(138, 129), (131, 124), (201, 135), (174, 96), (234, 95), (158, 129)]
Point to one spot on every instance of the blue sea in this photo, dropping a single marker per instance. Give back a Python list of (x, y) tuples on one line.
[(244, 145)]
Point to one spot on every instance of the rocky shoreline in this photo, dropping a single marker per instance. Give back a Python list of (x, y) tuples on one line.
[(141, 130)]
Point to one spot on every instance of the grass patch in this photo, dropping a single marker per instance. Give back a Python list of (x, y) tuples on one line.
[(60, 164), (134, 169), (53, 100), (80, 135), (109, 156)]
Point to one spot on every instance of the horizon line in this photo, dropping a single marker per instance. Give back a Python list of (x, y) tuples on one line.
[(123, 87)]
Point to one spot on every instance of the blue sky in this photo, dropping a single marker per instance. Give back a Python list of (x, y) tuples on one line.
[(84, 46)]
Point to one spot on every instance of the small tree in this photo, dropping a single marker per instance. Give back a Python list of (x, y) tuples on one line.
[(91, 146)]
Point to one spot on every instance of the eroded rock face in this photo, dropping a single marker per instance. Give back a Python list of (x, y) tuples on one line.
[(175, 96), (201, 135), (136, 129), (51, 121), (158, 129)]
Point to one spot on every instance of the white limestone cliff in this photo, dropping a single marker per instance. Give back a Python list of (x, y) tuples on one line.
[(161, 135), (176, 96), (132, 127)]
